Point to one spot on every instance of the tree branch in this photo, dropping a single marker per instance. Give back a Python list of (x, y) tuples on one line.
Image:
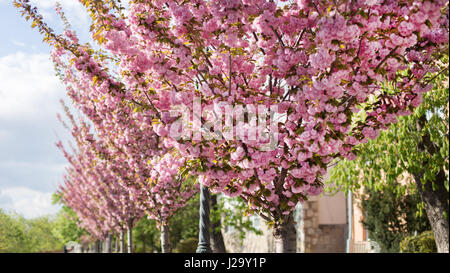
[(385, 58)]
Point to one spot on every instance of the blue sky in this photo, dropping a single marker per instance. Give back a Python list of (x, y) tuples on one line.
[(30, 164)]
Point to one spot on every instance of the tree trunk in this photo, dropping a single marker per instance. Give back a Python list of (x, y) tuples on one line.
[(285, 236), (284, 231), (116, 244), (122, 242), (165, 244), (108, 242), (130, 236), (436, 203), (218, 244), (97, 246)]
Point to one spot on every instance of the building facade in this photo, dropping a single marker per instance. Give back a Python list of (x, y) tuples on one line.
[(322, 227)]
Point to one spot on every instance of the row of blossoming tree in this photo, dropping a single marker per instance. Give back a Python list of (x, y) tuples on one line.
[(110, 190), (162, 76)]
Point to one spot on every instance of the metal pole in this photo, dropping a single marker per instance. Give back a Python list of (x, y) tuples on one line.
[(204, 245), (350, 221)]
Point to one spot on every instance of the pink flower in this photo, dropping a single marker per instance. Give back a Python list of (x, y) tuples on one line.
[(211, 25), (417, 100), (297, 173), (418, 18), (352, 140), (315, 190), (160, 129), (396, 40), (288, 194), (351, 156), (369, 132), (405, 28), (238, 154), (392, 63), (322, 59), (303, 156)]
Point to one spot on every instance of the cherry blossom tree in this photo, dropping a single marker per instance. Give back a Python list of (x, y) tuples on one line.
[(321, 63), (170, 191), (136, 184), (96, 189)]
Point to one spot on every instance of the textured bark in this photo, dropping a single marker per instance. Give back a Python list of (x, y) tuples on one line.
[(122, 242), (130, 236), (97, 246), (108, 244), (285, 236), (284, 230), (436, 201), (218, 244), (116, 244), (165, 244)]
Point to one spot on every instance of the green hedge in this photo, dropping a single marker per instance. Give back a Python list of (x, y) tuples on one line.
[(422, 243), (188, 245)]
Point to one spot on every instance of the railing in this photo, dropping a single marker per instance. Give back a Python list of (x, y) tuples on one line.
[(363, 247)]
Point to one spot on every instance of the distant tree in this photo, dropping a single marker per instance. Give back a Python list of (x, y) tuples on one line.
[(18, 235), (390, 218), (224, 212), (233, 213), (40, 235), (217, 241), (184, 225), (65, 226), (12, 233), (146, 236), (415, 150)]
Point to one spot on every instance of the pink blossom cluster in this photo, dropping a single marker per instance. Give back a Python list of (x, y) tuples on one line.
[(102, 201), (320, 62)]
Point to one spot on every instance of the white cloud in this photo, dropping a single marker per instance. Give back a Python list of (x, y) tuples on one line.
[(29, 160), (30, 164), (29, 88), (27, 202)]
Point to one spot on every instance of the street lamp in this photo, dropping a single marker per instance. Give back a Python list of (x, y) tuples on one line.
[(204, 245)]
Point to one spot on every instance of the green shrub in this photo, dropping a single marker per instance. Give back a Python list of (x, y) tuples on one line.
[(390, 217), (188, 245), (422, 243)]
